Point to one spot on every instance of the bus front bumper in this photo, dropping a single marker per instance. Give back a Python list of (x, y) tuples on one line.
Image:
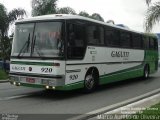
[(40, 82)]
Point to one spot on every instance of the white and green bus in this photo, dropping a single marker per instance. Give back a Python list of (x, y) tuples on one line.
[(66, 52)]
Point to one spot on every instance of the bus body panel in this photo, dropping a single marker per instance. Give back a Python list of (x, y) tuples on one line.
[(40, 73), (106, 60)]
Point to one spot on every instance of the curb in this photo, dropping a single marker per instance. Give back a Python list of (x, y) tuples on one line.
[(130, 109), (106, 109), (4, 81)]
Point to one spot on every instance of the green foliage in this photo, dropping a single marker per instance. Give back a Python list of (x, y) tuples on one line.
[(153, 16), (66, 10), (4, 23), (43, 7), (84, 14), (16, 13), (5, 20), (3, 75), (97, 16), (148, 2)]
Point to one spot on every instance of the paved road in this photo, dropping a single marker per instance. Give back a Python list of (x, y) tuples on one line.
[(38, 101)]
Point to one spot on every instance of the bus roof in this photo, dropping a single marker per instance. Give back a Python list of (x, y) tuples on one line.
[(69, 16)]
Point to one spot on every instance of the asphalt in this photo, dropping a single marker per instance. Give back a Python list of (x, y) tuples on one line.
[(23, 100)]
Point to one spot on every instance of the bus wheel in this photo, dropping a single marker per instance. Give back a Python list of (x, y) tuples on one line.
[(146, 72), (90, 81)]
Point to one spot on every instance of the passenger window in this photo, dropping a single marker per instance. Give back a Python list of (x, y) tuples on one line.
[(111, 37), (136, 41), (151, 43), (125, 39), (76, 40), (95, 35)]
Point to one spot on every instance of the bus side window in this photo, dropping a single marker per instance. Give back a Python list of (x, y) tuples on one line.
[(136, 41), (146, 42), (76, 40), (92, 35), (155, 44), (112, 37), (151, 43), (125, 39), (95, 35)]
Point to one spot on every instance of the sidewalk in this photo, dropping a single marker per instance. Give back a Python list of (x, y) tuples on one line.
[(132, 108)]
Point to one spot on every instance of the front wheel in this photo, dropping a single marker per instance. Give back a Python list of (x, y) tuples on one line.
[(90, 82)]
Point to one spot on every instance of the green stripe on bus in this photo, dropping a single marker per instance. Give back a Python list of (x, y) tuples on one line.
[(32, 85), (125, 70), (121, 76), (72, 86), (32, 63)]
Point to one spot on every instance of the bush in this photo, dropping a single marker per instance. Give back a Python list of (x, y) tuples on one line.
[(3, 75)]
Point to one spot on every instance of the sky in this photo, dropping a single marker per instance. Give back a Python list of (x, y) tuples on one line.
[(128, 12)]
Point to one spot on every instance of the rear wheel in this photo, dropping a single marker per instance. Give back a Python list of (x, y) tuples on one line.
[(146, 72), (91, 81)]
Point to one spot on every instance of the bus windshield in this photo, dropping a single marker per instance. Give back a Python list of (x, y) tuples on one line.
[(41, 39)]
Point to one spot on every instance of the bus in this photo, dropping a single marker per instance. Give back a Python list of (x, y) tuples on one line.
[(67, 52)]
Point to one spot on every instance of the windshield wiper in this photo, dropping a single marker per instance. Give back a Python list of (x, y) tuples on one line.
[(26, 45), (33, 47)]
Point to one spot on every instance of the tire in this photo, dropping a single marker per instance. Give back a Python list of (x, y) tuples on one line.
[(146, 72), (91, 81)]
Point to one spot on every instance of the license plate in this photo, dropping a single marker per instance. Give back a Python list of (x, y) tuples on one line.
[(30, 80)]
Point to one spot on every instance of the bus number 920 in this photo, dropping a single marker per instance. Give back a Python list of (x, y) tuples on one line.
[(46, 70)]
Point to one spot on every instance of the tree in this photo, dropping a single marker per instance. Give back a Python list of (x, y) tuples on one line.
[(148, 2), (7, 19), (97, 16), (83, 13), (43, 7), (66, 10), (153, 15)]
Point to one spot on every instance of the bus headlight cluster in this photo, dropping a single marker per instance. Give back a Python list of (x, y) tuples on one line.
[(49, 87)]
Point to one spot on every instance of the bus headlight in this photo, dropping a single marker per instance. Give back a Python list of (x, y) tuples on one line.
[(14, 83), (47, 87)]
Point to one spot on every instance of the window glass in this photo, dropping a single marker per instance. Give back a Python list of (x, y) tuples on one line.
[(95, 35), (91, 34), (76, 40), (47, 40), (101, 35), (151, 43), (155, 44), (136, 41), (125, 39), (22, 39), (111, 37), (146, 42)]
